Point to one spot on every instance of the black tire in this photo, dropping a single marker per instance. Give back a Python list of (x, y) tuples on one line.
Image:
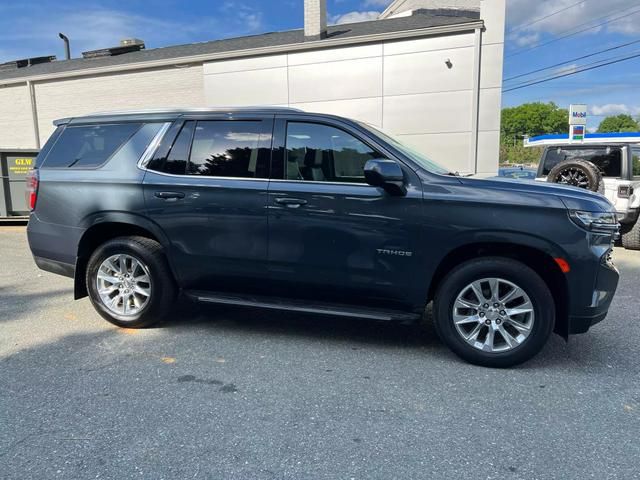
[(631, 236), (565, 172), (509, 270), (163, 289)]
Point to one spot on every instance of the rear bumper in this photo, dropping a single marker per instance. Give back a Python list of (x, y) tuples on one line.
[(54, 266), (53, 246), (580, 320)]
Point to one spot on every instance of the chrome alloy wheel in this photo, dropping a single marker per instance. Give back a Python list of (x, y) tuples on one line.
[(124, 285), (493, 315), (573, 176)]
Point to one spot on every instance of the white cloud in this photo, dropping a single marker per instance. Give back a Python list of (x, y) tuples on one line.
[(354, 17), (566, 70), (592, 129), (613, 109), (377, 3), (34, 31), (525, 39), (521, 15)]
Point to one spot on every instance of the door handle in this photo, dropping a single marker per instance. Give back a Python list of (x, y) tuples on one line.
[(169, 195), (291, 202)]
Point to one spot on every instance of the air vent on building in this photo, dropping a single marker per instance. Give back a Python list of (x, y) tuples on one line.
[(126, 46), (26, 62)]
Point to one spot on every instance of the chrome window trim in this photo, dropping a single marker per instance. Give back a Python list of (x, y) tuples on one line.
[(252, 179), (153, 146)]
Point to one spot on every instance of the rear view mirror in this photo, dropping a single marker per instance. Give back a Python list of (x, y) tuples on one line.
[(386, 174)]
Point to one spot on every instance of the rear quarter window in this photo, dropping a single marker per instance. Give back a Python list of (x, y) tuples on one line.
[(89, 146), (607, 159)]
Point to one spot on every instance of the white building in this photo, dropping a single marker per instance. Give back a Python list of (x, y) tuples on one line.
[(429, 71)]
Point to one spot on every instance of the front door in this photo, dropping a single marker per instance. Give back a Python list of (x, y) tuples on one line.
[(331, 235), (207, 189)]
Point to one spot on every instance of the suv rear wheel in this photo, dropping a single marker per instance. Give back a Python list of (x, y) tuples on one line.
[(494, 312), (129, 282)]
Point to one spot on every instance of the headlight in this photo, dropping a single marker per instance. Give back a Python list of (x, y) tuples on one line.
[(605, 222)]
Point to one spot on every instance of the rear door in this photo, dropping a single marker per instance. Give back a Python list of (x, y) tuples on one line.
[(207, 189), (332, 236)]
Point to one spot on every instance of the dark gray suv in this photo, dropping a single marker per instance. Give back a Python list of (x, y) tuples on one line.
[(280, 209)]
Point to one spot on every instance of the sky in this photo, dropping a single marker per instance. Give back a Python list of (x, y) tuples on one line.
[(533, 38)]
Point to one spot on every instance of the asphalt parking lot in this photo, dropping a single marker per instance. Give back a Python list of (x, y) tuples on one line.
[(222, 393)]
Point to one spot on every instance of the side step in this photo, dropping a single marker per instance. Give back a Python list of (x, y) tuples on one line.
[(275, 303)]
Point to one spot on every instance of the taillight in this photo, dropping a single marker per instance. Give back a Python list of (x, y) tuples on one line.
[(33, 178)]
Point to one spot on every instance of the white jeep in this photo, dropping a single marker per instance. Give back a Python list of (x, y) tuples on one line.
[(604, 163)]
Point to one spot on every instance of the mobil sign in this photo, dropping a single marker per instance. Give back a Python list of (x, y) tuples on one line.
[(577, 114)]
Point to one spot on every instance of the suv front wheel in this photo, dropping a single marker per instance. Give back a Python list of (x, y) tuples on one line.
[(129, 282), (494, 312)]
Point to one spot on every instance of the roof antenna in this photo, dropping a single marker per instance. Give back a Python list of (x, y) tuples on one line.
[(67, 49)]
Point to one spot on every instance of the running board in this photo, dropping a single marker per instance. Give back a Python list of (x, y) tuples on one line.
[(274, 303)]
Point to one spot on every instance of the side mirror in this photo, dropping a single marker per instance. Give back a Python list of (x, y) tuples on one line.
[(386, 174)]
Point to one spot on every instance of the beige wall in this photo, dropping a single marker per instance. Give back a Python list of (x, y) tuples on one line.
[(403, 86), (173, 87), (493, 14), (16, 125)]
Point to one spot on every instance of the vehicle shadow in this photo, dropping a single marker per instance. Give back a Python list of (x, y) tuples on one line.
[(419, 337), (226, 319)]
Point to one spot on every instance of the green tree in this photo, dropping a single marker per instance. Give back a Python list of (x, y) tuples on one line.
[(529, 119), (618, 123), (532, 119)]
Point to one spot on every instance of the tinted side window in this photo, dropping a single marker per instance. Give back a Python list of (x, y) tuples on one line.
[(322, 153), (89, 146), (608, 160), (227, 149), (176, 160), (48, 146), (636, 163)]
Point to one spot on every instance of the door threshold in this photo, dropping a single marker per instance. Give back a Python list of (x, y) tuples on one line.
[(283, 304)]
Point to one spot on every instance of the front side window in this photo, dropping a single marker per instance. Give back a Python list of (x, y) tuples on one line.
[(322, 153), (227, 149), (635, 165), (607, 159), (89, 146)]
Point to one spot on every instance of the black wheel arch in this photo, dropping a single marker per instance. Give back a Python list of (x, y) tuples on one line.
[(536, 258), (102, 228)]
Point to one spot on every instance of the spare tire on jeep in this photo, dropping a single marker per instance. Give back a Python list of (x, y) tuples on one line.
[(578, 173)]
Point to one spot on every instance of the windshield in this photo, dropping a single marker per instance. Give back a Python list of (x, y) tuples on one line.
[(414, 155)]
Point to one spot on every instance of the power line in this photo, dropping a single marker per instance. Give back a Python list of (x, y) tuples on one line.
[(557, 39), (572, 60), (521, 26), (579, 70)]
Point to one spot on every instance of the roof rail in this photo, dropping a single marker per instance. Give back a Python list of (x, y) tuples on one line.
[(195, 110)]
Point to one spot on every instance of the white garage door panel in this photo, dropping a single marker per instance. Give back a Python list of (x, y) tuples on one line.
[(336, 80), (335, 54), (428, 72), (256, 87), (490, 101), (488, 152), (364, 109), (428, 44), (428, 113), (491, 71), (160, 88), (243, 64), (16, 124), (451, 150)]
